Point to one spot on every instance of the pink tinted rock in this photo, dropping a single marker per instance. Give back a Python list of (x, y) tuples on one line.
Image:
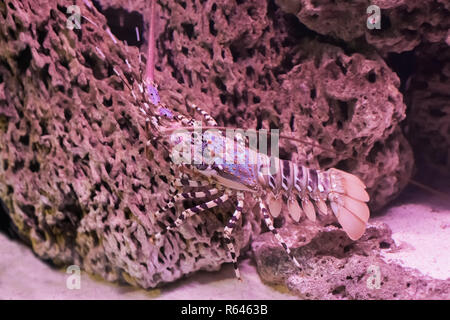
[(334, 267), (404, 23)]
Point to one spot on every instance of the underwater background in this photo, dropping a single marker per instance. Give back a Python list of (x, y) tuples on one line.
[(79, 184)]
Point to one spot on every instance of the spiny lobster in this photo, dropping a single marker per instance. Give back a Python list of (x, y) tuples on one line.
[(304, 190)]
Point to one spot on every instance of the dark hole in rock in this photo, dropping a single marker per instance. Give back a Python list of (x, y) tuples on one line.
[(24, 59), (371, 77), (223, 98), (339, 291), (377, 148), (312, 93), (348, 248), (107, 102), (344, 165), (325, 162), (18, 164), (188, 29), (67, 114), (25, 140), (219, 84), (404, 64), (42, 32), (341, 66), (71, 208), (259, 121), (96, 64), (384, 245), (34, 165), (123, 23), (29, 210), (153, 182), (344, 108), (249, 71), (212, 30), (128, 213), (45, 75), (292, 122), (287, 64), (6, 224), (108, 167), (62, 9)]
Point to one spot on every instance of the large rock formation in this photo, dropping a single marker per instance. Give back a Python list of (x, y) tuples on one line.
[(334, 267), (73, 172)]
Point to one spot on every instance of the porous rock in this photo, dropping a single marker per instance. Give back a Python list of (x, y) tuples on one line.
[(75, 178), (73, 173), (334, 267), (404, 23)]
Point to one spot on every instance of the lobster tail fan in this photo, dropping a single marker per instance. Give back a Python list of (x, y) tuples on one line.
[(275, 204), (294, 210), (309, 209), (348, 202), (352, 225)]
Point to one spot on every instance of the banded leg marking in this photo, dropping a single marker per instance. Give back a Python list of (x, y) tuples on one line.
[(193, 211), (183, 182), (229, 229), (209, 120), (196, 195), (272, 229)]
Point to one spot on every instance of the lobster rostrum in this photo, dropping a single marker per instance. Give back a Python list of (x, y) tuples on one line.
[(215, 179)]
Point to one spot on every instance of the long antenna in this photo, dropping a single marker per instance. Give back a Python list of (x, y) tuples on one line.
[(150, 68)]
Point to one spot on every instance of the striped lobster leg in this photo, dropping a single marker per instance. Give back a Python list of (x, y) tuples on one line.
[(185, 196), (185, 182), (209, 120), (193, 211), (229, 229), (274, 231)]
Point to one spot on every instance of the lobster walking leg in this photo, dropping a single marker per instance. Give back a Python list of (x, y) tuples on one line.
[(229, 229), (186, 196), (272, 229), (190, 183), (209, 120), (193, 211)]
